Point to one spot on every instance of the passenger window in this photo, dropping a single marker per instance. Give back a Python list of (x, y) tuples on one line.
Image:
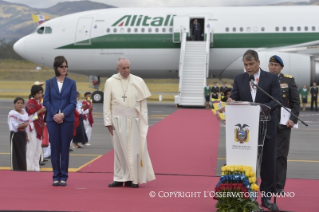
[(40, 31), (163, 29), (122, 30), (306, 28), (255, 29), (114, 30), (234, 29), (299, 28), (241, 29), (170, 29), (156, 30), (277, 29), (142, 30), (149, 29), (284, 29), (262, 28), (291, 28), (136, 30), (108, 30), (128, 29), (227, 29), (48, 30), (248, 29), (313, 28)]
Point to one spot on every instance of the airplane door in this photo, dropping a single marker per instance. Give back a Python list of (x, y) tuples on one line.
[(83, 31), (180, 24)]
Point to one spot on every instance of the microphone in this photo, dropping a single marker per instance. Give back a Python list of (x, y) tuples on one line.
[(251, 78)]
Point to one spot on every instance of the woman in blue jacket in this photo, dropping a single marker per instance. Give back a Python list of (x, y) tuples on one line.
[(60, 102)]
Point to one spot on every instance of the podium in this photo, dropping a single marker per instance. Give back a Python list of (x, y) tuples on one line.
[(246, 128)]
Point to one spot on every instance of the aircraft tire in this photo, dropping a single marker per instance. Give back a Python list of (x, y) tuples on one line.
[(97, 97)]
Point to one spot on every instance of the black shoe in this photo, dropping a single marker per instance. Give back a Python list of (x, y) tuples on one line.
[(62, 183), (116, 184), (130, 184), (41, 163), (45, 160), (280, 191), (70, 150), (56, 183), (265, 202)]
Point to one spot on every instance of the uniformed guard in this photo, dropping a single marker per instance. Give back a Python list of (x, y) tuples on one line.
[(223, 89), (207, 95), (215, 91), (290, 99)]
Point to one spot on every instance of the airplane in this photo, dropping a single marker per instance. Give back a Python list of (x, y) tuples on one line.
[(159, 43)]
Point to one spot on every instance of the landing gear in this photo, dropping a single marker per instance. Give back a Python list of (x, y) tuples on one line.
[(97, 96)]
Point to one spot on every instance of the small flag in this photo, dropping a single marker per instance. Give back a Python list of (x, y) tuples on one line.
[(40, 18)]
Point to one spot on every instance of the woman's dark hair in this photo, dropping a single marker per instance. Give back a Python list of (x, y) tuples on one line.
[(17, 99), (77, 93), (58, 61), (36, 89)]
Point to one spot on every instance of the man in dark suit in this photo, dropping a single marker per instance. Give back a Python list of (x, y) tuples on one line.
[(314, 96), (243, 91), (196, 30), (290, 99)]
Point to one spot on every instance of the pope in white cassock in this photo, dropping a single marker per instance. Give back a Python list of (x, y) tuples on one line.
[(125, 116)]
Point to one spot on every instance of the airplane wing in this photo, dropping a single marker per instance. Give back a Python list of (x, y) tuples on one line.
[(302, 48)]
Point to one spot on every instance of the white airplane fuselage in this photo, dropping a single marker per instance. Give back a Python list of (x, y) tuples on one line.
[(92, 41)]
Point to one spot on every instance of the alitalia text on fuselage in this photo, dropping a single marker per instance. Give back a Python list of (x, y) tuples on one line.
[(144, 20)]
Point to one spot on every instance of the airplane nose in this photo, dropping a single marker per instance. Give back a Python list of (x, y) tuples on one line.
[(19, 47)]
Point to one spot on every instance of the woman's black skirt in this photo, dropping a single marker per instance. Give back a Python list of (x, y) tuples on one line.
[(18, 143), (80, 136)]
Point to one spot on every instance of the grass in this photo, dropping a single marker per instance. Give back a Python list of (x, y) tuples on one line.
[(21, 74)]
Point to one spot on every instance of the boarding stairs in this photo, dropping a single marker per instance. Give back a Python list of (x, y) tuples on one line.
[(193, 71)]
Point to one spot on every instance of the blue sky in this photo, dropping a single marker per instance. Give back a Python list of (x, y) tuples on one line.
[(158, 3)]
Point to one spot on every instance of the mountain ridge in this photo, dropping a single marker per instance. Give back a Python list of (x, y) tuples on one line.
[(16, 19)]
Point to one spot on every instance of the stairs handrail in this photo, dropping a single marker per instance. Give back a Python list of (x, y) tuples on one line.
[(207, 53), (181, 58)]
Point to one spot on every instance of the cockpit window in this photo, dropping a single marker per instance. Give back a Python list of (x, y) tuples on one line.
[(48, 30), (40, 30)]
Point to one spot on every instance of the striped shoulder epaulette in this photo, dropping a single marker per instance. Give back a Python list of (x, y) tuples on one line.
[(287, 75)]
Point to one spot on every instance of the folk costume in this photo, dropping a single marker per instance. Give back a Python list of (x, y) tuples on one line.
[(18, 139), (87, 118), (35, 134), (125, 108), (79, 133)]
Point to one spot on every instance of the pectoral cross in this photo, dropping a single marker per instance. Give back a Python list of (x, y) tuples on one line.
[(124, 97)]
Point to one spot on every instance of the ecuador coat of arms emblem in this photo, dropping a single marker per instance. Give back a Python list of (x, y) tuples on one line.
[(241, 133)]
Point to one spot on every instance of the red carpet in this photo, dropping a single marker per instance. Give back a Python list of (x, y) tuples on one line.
[(183, 149), (89, 192), (185, 143)]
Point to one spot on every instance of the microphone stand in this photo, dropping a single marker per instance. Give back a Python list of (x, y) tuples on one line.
[(274, 206), (279, 103)]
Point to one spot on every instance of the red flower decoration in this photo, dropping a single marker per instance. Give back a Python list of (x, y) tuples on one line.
[(222, 186)]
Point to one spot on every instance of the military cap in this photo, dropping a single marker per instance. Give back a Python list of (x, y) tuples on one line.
[(276, 59)]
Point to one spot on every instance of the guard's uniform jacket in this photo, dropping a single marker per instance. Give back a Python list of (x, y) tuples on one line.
[(290, 97), (215, 91), (223, 89)]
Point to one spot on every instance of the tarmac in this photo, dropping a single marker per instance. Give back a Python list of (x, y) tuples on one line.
[(100, 141), (303, 159)]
